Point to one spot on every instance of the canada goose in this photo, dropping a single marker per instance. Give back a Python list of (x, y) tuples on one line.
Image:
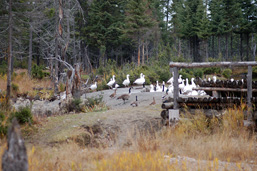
[(135, 103), (140, 80), (125, 97), (126, 82), (163, 87), (93, 86), (113, 94), (111, 82), (153, 103)]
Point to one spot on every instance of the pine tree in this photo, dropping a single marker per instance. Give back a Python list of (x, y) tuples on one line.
[(138, 21)]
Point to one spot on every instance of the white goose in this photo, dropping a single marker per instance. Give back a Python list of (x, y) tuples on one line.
[(187, 88), (214, 79), (152, 88), (181, 86), (111, 82), (170, 81), (116, 86), (93, 86), (158, 88), (180, 79), (126, 82), (140, 80), (170, 88)]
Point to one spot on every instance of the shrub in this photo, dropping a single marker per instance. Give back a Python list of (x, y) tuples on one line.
[(61, 87), (227, 73), (92, 101), (212, 70), (23, 115), (37, 72), (198, 72), (74, 105), (15, 87), (3, 125)]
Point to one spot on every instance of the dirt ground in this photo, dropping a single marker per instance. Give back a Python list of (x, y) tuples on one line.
[(120, 120)]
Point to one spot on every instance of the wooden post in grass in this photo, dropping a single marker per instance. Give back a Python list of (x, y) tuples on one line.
[(249, 93), (175, 84)]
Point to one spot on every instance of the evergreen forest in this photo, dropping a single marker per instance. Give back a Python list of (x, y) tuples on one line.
[(93, 32)]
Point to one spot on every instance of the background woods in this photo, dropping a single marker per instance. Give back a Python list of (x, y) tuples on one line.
[(139, 31)]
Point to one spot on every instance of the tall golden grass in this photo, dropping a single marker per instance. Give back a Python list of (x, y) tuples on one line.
[(24, 82), (196, 137)]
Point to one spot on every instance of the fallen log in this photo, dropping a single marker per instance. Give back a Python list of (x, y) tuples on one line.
[(167, 105)]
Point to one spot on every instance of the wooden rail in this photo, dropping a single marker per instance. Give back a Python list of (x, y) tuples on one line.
[(212, 64), (178, 65), (223, 89)]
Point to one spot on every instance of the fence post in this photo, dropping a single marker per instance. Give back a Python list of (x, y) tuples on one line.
[(249, 93), (175, 84)]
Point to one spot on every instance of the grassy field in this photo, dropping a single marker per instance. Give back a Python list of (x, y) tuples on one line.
[(204, 145)]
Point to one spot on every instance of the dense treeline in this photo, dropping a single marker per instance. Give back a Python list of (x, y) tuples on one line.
[(139, 31)]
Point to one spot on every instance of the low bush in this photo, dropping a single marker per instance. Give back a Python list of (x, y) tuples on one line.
[(37, 72), (23, 115), (3, 125), (74, 105), (211, 70), (227, 73)]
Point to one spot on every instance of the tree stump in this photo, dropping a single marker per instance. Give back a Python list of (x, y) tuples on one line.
[(15, 157)]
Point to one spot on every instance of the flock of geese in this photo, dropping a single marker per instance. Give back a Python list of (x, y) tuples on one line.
[(184, 87)]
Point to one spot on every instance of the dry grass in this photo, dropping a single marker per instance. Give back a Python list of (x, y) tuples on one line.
[(198, 138), (24, 82)]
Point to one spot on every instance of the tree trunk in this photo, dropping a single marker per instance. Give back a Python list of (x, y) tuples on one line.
[(219, 46), (143, 54), (179, 47), (147, 53), (253, 47), (9, 74), (226, 46), (231, 45), (213, 50), (241, 46), (247, 46), (30, 50), (206, 50), (138, 54)]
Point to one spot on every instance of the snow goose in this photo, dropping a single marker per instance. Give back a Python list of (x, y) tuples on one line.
[(170, 81), (180, 79), (187, 88), (214, 79), (158, 88), (181, 86), (115, 86), (93, 86), (152, 88), (126, 82), (140, 80), (111, 82)]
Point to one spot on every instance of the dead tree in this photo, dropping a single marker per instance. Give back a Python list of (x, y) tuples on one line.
[(15, 157)]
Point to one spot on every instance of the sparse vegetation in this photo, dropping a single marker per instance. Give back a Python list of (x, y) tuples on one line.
[(227, 73), (23, 115)]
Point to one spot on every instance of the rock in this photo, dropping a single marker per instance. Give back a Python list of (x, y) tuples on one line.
[(45, 108), (20, 102), (15, 157)]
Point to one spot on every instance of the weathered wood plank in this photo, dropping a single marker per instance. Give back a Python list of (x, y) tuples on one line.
[(249, 91), (175, 84), (223, 89), (211, 64)]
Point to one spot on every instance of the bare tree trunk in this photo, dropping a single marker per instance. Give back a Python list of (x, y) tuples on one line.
[(143, 54), (179, 47), (138, 54), (231, 45), (247, 46), (226, 46), (30, 50), (147, 52), (9, 74), (253, 47), (219, 46), (213, 50), (241, 46), (206, 50)]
